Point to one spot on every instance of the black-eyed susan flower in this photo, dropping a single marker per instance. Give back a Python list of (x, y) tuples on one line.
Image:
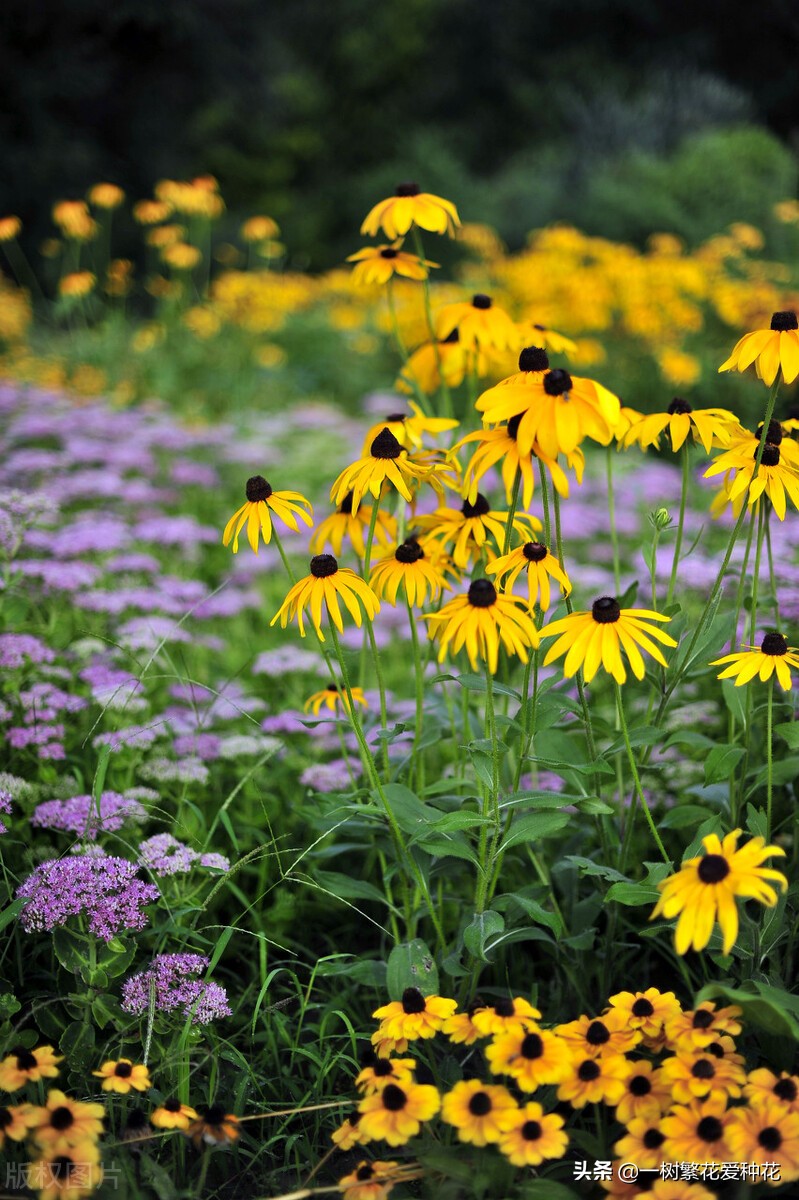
[(539, 563), (333, 697), (500, 446), (705, 888), (642, 1144), (326, 583), (410, 206), (122, 1076), (534, 1137), (773, 656), (383, 1071), (647, 1094), (748, 443), (395, 1113), (762, 1085), (608, 1034), (386, 463), (69, 1174), (17, 1121), (594, 1080), (214, 1127), (378, 264), (460, 1028), (479, 621), (349, 1133), (409, 568), (597, 638), (696, 1132), (481, 1112), (256, 513), (414, 1016), (173, 1115), (548, 339), (434, 363), (371, 1180), (771, 350), (700, 1026), (23, 1066), (481, 325), (647, 1012), (532, 1056), (353, 525), (766, 1132), (63, 1122), (505, 1016), (409, 428), (775, 476), (556, 410), (466, 531), (699, 1075), (680, 419), (106, 195)]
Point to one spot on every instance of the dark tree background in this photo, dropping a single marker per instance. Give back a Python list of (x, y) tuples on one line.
[(311, 109)]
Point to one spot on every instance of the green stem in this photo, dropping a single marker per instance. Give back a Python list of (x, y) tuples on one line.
[(634, 769), (490, 800), (417, 764), (542, 472), (739, 595), (514, 504), (614, 536), (769, 762), (680, 524), (282, 554), (771, 574), (370, 537), (756, 575), (654, 570), (428, 312), (381, 687)]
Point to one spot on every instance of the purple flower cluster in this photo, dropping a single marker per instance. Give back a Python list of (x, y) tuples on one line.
[(80, 815), (168, 984), (18, 648), (106, 892), (5, 807), (165, 855)]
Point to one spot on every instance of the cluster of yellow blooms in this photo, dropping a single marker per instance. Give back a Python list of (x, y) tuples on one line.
[(64, 1134), (680, 1089)]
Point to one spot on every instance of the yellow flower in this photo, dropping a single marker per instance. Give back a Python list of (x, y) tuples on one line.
[(594, 1080), (444, 361), (703, 1025), (762, 1085), (608, 1034), (680, 419), (500, 446), (468, 528), (548, 339), (409, 428), (596, 638), (349, 1133), (150, 212), (506, 1016), (259, 229), (647, 1094), (539, 563), (23, 1066), (642, 1143), (371, 1180), (696, 1132), (773, 657), (64, 1122), (395, 1114), (79, 283), (72, 217), (378, 264), (164, 235), (332, 530), (701, 1074), (770, 350), (534, 1137), (386, 462), (704, 890), (408, 568), (481, 1112), (122, 1075), (214, 1127), (173, 1115), (767, 1132), (181, 256), (414, 1016), (106, 195), (479, 621), (647, 1012), (383, 1071), (332, 697), (325, 584), (775, 476), (407, 207), (460, 1028), (481, 325), (255, 513), (70, 1174), (9, 228), (16, 1122), (532, 1056)]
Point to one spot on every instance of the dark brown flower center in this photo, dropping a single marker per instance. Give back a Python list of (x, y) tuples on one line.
[(503, 1008), (783, 321), (770, 1138), (774, 644), (480, 1104), (385, 445), (534, 551), (597, 1034), (557, 382), (709, 1129), (388, 253), (653, 1139), (713, 868), (702, 1018), (532, 1046), (482, 594), (606, 610), (257, 489), (396, 417), (172, 1105), (478, 509), (62, 1167), (323, 565), (365, 1172), (481, 301), (785, 1089), (771, 455), (412, 1001), (588, 1071), (643, 1007), (61, 1118), (531, 1131), (679, 407), (774, 435), (394, 1099), (533, 358), (6, 1118), (409, 552), (407, 189), (123, 1070), (214, 1115), (382, 1067), (716, 1049), (703, 1069), (640, 1085), (26, 1061)]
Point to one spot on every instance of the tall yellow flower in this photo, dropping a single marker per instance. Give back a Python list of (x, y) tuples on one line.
[(774, 656), (775, 476), (409, 428), (354, 525), (326, 584), (386, 463), (468, 530), (680, 419), (770, 350), (539, 563), (480, 323), (479, 622), (597, 638), (410, 206), (379, 264), (255, 513)]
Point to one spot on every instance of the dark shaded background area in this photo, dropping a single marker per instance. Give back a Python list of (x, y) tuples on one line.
[(310, 110)]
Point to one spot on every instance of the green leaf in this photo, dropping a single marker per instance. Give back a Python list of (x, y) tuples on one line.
[(483, 927), (349, 887), (546, 1189), (534, 826), (447, 847), (411, 814), (789, 732), (587, 866), (465, 819), (734, 699), (70, 949), (683, 815), (11, 911), (632, 894), (411, 964), (644, 735), (721, 762), (688, 737), (77, 1043), (532, 909), (477, 683), (9, 1004), (770, 1008)]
